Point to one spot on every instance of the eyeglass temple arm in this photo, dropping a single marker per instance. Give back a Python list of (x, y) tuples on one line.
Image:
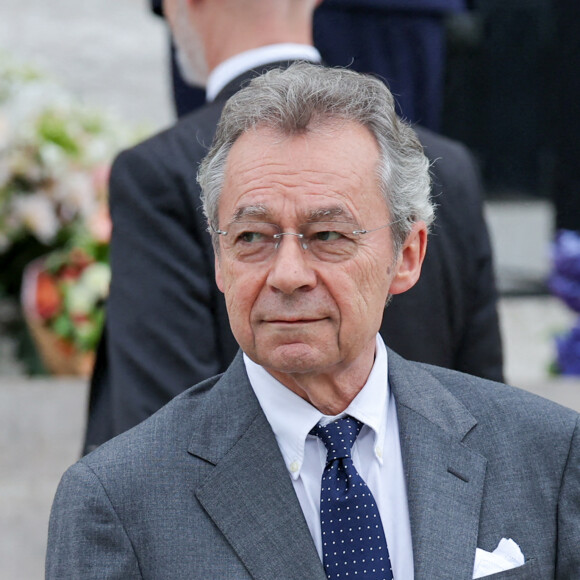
[(216, 231), (379, 228)]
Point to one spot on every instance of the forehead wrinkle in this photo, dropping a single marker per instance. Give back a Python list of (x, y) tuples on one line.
[(257, 164), (279, 170)]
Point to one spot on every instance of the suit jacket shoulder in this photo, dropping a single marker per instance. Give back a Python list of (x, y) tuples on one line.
[(490, 462), (189, 136), (198, 490)]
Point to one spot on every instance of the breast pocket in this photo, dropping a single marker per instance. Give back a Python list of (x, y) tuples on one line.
[(526, 572)]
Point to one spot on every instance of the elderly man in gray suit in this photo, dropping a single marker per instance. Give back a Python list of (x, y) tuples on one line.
[(320, 453)]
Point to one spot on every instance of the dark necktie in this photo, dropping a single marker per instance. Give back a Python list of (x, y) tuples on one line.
[(353, 540)]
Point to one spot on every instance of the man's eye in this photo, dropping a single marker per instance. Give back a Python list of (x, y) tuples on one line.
[(251, 237), (328, 236)]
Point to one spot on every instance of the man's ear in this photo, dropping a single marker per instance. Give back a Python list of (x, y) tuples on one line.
[(410, 260), (218, 274)]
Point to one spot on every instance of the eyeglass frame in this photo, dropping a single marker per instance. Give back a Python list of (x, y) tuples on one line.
[(278, 236)]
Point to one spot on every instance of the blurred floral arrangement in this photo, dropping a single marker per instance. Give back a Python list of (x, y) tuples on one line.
[(55, 154), (63, 296), (565, 284)]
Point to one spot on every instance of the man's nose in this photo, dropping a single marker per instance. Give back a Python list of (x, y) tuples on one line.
[(291, 267)]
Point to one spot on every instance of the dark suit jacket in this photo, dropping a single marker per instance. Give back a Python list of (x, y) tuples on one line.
[(200, 490), (167, 326), (567, 95), (401, 41), (423, 6)]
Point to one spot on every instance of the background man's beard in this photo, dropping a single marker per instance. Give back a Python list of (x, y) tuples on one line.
[(189, 50), (193, 74)]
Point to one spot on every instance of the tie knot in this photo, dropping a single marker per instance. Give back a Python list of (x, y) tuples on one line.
[(338, 437)]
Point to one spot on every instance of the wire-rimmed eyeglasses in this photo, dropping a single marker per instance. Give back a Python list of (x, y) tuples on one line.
[(326, 241)]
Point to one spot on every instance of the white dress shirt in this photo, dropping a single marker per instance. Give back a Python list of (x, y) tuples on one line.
[(231, 68), (376, 453)]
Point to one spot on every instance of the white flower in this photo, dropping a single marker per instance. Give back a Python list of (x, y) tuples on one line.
[(51, 141), (76, 194), (53, 157), (97, 278), (80, 299), (22, 165), (35, 212), (5, 132), (92, 286), (97, 150)]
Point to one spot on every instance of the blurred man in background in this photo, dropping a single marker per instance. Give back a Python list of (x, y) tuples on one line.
[(402, 41)]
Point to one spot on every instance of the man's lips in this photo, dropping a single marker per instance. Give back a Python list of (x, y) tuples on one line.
[(294, 320)]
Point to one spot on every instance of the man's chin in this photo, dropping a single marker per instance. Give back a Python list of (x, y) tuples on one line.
[(292, 358)]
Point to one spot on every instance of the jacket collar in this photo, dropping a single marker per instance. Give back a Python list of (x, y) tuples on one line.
[(240, 81)]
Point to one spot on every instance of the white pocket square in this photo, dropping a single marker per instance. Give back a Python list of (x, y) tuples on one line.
[(506, 556)]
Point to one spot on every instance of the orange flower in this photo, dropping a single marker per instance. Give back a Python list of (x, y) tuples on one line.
[(48, 299)]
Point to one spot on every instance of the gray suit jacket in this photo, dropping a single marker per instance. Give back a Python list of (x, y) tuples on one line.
[(200, 490)]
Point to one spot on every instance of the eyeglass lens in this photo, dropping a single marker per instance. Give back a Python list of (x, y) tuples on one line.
[(326, 241)]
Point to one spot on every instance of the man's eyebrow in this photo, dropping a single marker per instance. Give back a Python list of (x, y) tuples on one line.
[(314, 215), (252, 211), (329, 214)]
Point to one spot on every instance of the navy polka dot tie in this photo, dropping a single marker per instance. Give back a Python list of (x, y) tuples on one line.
[(353, 540)]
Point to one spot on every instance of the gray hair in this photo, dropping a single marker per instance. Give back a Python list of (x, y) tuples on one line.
[(303, 96)]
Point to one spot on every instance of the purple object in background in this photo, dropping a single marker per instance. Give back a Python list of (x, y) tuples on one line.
[(568, 349), (565, 284), (565, 279)]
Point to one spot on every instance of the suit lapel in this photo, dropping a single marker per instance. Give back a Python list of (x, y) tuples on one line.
[(249, 494), (444, 477)]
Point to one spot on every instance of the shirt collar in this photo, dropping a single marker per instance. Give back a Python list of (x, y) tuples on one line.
[(231, 68), (292, 418)]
